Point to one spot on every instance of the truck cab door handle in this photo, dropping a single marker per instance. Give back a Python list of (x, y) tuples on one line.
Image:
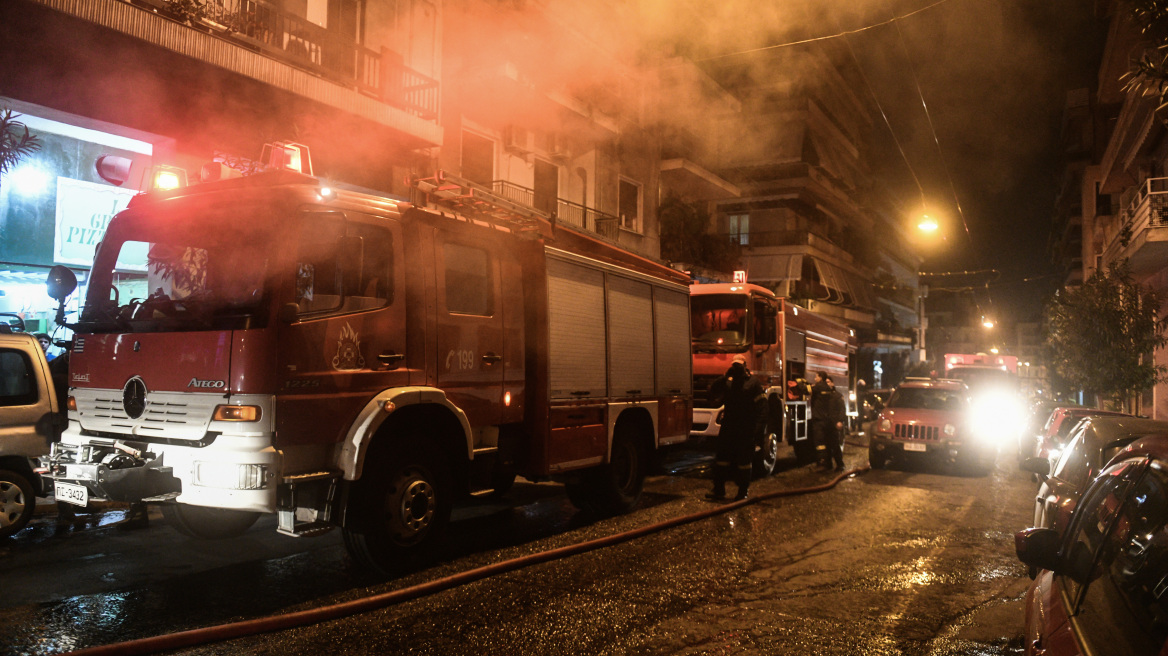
[(491, 358), (391, 358)]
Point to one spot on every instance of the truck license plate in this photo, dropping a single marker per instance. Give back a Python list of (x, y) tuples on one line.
[(911, 446), (70, 493)]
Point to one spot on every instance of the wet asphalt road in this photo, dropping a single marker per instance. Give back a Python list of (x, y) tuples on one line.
[(910, 561)]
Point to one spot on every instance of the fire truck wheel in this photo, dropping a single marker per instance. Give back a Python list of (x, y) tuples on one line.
[(501, 483), (207, 523), (395, 519), (615, 487), (17, 502), (579, 495), (767, 456)]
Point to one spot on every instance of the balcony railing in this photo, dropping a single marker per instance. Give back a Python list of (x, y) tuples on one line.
[(287, 37), (574, 214), (1142, 207)]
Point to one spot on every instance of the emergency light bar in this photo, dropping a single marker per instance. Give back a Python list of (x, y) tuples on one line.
[(287, 155), (165, 178)]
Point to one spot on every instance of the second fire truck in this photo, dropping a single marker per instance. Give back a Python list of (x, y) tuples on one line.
[(782, 343)]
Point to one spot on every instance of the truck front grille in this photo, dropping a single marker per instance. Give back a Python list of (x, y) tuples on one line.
[(175, 415)]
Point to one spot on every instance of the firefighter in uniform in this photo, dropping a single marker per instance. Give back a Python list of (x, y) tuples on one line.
[(743, 423), (828, 414)]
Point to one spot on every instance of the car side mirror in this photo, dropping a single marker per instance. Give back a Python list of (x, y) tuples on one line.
[(1040, 466), (1038, 547)]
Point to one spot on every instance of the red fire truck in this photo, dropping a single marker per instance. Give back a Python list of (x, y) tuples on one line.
[(782, 343), (267, 344)]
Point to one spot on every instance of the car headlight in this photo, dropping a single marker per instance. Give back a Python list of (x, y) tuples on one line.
[(885, 426), (950, 430)]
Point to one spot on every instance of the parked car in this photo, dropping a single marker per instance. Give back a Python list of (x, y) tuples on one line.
[(1036, 421), (928, 418), (29, 419), (1058, 427), (1091, 445), (1109, 571)]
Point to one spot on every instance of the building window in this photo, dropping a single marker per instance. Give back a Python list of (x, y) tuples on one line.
[(629, 205), (478, 158), (739, 229)]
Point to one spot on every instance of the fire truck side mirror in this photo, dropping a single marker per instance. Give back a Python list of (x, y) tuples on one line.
[(61, 283), (288, 313)]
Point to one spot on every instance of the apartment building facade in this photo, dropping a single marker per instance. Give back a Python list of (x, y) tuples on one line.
[(1124, 192)]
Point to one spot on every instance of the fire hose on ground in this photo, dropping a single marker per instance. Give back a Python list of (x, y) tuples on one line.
[(222, 632)]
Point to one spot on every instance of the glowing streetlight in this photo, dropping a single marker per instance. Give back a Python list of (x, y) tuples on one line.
[(994, 350), (987, 323), (928, 224)]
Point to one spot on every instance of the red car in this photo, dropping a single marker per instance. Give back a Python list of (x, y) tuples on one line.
[(1058, 427), (928, 418), (1102, 585), (1089, 448)]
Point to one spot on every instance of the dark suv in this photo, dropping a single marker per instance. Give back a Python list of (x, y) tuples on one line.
[(1101, 586)]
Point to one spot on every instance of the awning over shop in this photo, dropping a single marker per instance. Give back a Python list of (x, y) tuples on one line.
[(796, 274), (768, 269)]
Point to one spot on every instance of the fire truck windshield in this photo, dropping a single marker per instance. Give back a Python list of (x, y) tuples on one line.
[(150, 277), (719, 322)]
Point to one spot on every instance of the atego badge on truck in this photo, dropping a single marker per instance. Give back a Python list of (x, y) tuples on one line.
[(269, 345)]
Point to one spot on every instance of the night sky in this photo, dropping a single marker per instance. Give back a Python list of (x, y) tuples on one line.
[(995, 75)]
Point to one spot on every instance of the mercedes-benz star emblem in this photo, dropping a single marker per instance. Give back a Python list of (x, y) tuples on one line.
[(134, 397)]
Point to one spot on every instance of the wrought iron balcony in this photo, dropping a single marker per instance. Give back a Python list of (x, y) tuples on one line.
[(1141, 230), (275, 33)]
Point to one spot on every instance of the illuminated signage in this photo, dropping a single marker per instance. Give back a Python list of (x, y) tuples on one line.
[(740, 277), (84, 209)]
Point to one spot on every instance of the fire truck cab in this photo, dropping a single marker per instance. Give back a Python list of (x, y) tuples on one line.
[(268, 344)]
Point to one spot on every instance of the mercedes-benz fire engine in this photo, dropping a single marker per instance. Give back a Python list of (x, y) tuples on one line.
[(782, 343), (267, 344)]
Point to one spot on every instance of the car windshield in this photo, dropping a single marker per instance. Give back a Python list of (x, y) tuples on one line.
[(150, 276), (927, 398), (719, 321)]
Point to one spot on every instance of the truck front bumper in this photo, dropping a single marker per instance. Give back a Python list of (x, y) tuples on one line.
[(706, 424), (234, 472)]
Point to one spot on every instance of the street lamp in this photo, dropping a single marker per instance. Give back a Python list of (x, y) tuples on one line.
[(927, 224), (987, 323)]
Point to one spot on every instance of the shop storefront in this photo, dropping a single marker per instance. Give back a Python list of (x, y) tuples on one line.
[(54, 207)]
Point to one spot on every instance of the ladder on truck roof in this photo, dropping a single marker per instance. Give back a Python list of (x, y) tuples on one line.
[(476, 201)]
